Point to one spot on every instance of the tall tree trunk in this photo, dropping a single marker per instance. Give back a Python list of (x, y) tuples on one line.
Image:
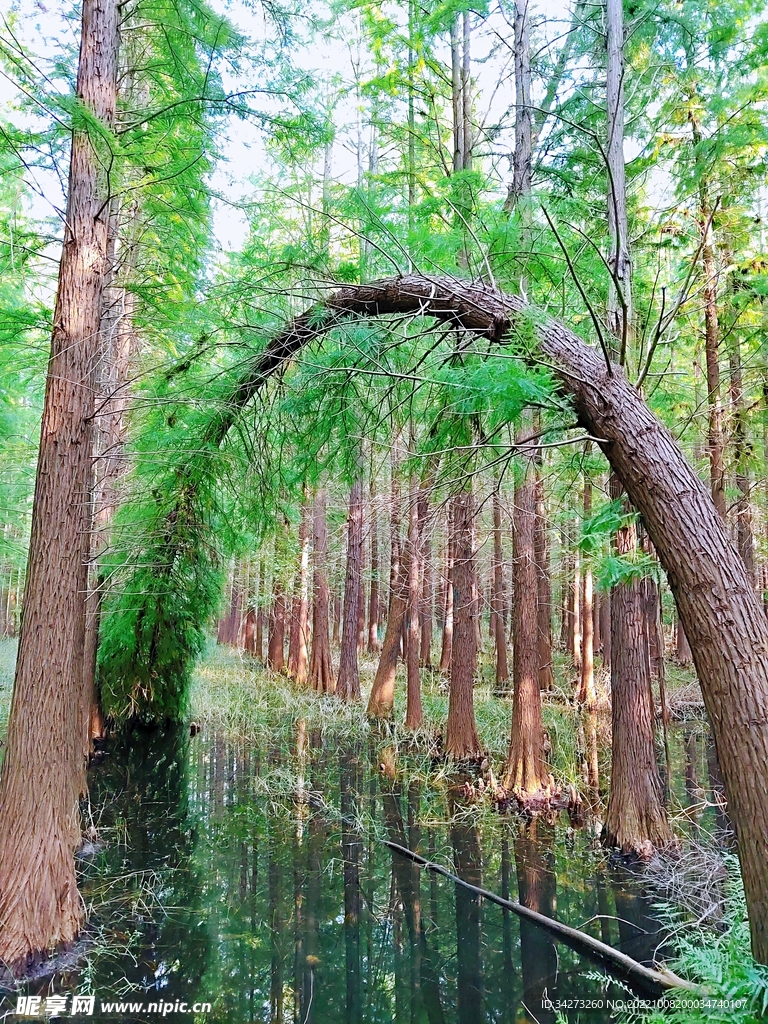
[(348, 683), (461, 739), (382, 698), (586, 691), (526, 776), (298, 661), (544, 586), (446, 651), (43, 773), (745, 541), (636, 818), (497, 614), (414, 716), (276, 642), (373, 603), (427, 584), (320, 667)]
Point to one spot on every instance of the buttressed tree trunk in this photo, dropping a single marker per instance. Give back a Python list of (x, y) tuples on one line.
[(348, 683), (43, 768), (320, 667), (461, 739)]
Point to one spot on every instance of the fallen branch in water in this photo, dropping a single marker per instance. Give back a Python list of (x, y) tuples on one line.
[(662, 979)]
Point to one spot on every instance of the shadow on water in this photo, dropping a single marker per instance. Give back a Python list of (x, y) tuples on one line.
[(225, 879)]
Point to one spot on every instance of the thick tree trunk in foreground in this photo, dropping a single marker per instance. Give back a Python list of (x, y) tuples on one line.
[(526, 776), (43, 768), (722, 616), (348, 683), (320, 667), (461, 739)]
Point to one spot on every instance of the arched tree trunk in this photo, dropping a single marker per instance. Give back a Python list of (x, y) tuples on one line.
[(320, 667), (461, 739), (43, 769), (348, 683), (721, 614)]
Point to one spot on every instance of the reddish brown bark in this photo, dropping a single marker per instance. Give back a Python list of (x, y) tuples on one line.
[(320, 666), (585, 693), (526, 776), (461, 739), (382, 698), (348, 683), (427, 583), (42, 773), (636, 818), (276, 642), (249, 630)]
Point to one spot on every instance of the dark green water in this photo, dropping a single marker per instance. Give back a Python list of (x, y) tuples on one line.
[(222, 882)]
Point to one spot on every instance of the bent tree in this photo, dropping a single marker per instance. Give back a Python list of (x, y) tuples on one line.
[(720, 612), (43, 770)]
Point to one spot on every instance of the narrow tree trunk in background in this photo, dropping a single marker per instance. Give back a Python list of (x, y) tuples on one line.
[(382, 698), (575, 612), (336, 618), (526, 776), (447, 645), (683, 654), (348, 684), (544, 586), (715, 439), (276, 643), (500, 638), (373, 603), (414, 716), (298, 661), (586, 691), (745, 541), (43, 771), (427, 582), (461, 739), (320, 667), (456, 95), (567, 562), (249, 630), (605, 628)]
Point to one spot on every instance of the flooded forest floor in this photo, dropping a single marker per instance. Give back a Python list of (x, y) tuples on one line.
[(243, 865)]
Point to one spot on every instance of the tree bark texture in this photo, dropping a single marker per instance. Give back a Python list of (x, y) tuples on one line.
[(543, 586), (446, 650), (373, 601), (526, 776), (382, 698), (586, 691), (276, 641), (461, 739), (43, 769), (348, 683)]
